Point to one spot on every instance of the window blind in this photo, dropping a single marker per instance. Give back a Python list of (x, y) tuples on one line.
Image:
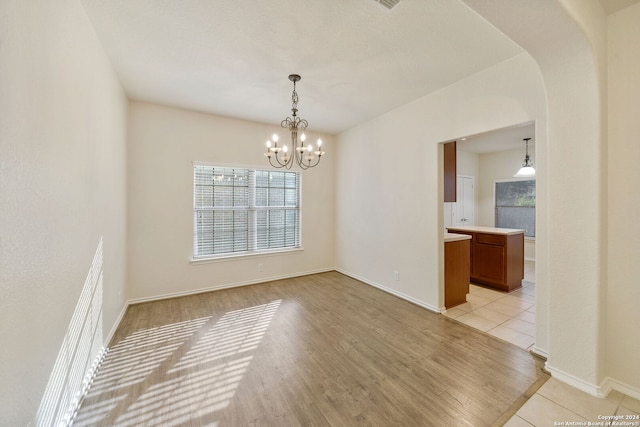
[(516, 205), (239, 210)]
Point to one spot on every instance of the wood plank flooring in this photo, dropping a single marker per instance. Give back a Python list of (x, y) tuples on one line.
[(318, 350)]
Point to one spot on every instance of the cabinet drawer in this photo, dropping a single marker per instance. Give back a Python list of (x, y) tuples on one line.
[(490, 239)]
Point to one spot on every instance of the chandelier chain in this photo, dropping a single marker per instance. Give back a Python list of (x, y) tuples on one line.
[(294, 100)]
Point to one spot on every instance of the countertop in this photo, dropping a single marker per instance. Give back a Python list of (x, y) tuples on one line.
[(488, 230), (453, 237)]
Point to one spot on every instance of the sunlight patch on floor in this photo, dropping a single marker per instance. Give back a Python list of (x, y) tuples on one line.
[(155, 385)]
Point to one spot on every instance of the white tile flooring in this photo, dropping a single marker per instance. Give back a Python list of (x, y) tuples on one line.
[(511, 317), (557, 403), (508, 316)]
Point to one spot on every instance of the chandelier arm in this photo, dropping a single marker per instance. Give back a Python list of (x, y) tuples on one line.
[(310, 165), (281, 163), (286, 123), (278, 165), (301, 162)]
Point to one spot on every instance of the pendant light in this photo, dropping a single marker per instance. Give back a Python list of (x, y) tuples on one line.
[(527, 170)]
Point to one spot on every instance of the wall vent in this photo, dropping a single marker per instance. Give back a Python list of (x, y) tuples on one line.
[(388, 3)]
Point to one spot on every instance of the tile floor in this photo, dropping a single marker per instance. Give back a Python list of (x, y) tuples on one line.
[(559, 404), (509, 316)]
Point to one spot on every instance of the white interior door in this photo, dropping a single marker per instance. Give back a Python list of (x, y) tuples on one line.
[(464, 209)]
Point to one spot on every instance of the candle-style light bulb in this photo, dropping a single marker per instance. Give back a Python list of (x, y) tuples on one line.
[(319, 143), (274, 148), (303, 137)]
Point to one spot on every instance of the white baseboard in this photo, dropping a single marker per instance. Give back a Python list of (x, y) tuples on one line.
[(115, 326), (575, 382), (393, 292), (225, 286), (612, 384), (601, 390)]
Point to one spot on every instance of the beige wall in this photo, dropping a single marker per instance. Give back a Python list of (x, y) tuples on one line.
[(389, 217), (566, 40), (623, 296), (467, 163), (62, 189), (163, 144)]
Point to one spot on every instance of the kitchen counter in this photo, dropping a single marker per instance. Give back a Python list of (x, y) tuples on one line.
[(454, 237), (487, 230), (497, 256)]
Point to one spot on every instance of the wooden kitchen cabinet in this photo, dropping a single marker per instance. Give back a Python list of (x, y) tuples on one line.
[(450, 172), (497, 256), (457, 262)]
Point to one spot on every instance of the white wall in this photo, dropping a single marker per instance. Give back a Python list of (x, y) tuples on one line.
[(467, 163), (623, 297), (163, 144), (62, 189), (566, 39), (389, 203)]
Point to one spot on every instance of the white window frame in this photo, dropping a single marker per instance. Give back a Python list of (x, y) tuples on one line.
[(253, 212)]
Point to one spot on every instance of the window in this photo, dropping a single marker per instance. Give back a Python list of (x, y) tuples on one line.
[(242, 211), (516, 205)]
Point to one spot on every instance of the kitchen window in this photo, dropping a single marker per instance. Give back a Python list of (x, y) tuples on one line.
[(240, 211), (515, 203)]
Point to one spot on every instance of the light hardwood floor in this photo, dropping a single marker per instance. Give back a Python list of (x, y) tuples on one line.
[(317, 350)]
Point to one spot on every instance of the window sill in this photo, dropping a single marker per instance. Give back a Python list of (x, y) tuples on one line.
[(244, 255)]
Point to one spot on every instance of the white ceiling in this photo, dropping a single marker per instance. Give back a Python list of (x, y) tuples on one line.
[(509, 138), (357, 58)]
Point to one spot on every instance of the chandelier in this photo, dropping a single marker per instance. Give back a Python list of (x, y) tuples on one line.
[(305, 155)]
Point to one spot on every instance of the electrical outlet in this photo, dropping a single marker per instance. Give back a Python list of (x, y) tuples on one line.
[(396, 275), (261, 267)]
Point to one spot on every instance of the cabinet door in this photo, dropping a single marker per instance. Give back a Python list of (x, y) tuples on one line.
[(488, 263), (456, 272), (450, 172)]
